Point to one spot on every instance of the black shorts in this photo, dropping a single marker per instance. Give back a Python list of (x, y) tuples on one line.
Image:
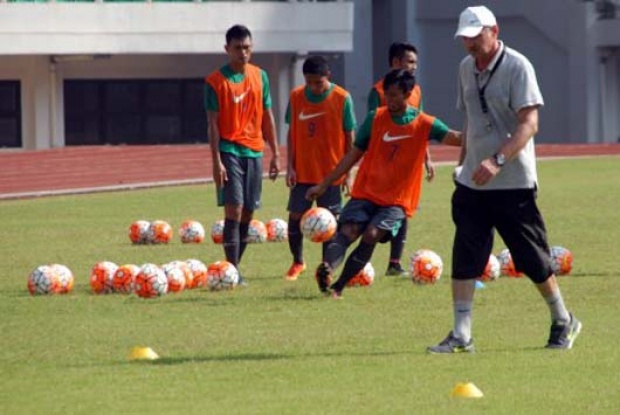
[(331, 199), (476, 213), (364, 212), (245, 181)]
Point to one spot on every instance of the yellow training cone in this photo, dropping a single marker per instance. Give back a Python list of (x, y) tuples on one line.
[(143, 353), (467, 390)]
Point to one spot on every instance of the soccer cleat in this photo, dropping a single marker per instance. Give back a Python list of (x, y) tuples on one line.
[(562, 336), (323, 278), (294, 271), (452, 344), (394, 269), (242, 281), (336, 295)]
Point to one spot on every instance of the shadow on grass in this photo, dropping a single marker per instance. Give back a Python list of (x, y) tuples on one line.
[(257, 357)]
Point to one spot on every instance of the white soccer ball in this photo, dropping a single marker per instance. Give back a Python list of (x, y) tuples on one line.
[(492, 271), (277, 230), (217, 231), (426, 266), (318, 224), (191, 231), (43, 280), (561, 260), (222, 275), (257, 232), (363, 278), (65, 278), (151, 281)]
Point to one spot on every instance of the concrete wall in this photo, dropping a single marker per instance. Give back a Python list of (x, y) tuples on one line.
[(565, 42)]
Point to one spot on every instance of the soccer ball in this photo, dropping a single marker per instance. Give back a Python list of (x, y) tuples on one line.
[(426, 267), (191, 231), (561, 260), (65, 278), (199, 273), (318, 224), (187, 273), (160, 232), (175, 275), (139, 232), (257, 232), (363, 278), (222, 275), (151, 281), (277, 230), (217, 231), (507, 264), (102, 277), (124, 278), (492, 271), (43, 280)]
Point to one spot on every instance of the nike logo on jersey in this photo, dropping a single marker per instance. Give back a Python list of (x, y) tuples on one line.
[(238, 98), (304, 117), (387, 137)]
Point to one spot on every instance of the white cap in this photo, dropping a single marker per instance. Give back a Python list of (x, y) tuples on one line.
[(473, 20)]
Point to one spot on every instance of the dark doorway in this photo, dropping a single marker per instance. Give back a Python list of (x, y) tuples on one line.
[(10, 114)]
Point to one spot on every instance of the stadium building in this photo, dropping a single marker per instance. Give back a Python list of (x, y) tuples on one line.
[(95, 72)]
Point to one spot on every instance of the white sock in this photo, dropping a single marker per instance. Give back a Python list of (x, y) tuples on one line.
[(558, 310), (462, 320)]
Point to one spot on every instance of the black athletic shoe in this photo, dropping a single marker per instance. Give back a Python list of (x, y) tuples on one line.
[(323, 278), (453, 344), (394, 269), (562, 336)]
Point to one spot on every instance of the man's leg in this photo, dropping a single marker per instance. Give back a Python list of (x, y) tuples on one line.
[(397, 246)]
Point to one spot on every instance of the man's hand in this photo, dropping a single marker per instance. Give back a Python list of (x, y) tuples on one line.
[(291, 177), (314, 192), (430, 171), (274, 168), (219, 173), (486, 171)]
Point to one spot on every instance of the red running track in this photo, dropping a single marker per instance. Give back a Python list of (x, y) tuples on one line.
[(84, 169)]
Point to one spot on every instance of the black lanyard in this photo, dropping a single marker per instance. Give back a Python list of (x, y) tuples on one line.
[(481, 97)]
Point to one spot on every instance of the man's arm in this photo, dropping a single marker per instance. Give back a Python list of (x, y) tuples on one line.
[(213, 132), (526, 129), (343, 167), (269, 133)]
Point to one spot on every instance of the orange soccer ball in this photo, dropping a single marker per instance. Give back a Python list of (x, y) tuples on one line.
[(175, 275), (139, 232), (217, 231), (191, 231), (124, 278), (65, 278), (561, 260), (318, 224), (363, 278), (426, 267), (102, 277), (43, 280), (222, 275), (507, 264), (277, 230), (151, 281), (257, 232), (160, 232), (492, 271), (198, 271)]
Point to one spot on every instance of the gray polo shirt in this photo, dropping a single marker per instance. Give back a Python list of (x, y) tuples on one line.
[(512, 87)]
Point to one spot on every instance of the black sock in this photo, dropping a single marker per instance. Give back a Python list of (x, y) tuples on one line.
[(231, 241), (334, 250), (355, 263), (295, 240), (243, 238), (397, 244)]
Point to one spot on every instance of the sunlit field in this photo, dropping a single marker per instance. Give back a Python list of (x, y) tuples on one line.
[(278, 347)]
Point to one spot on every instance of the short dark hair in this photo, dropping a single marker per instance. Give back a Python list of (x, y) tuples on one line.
[(398, 50), (404, 79), (316, 65), (237, 32)]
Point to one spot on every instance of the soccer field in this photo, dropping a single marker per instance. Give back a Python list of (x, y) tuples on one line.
[(279, 347)]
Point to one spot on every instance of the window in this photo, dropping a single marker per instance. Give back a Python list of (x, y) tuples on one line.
[(10, 114)]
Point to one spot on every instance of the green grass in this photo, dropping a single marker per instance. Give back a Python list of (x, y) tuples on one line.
[(279, 347)]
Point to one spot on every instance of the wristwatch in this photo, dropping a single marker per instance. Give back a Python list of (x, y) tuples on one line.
[(499, 159)]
